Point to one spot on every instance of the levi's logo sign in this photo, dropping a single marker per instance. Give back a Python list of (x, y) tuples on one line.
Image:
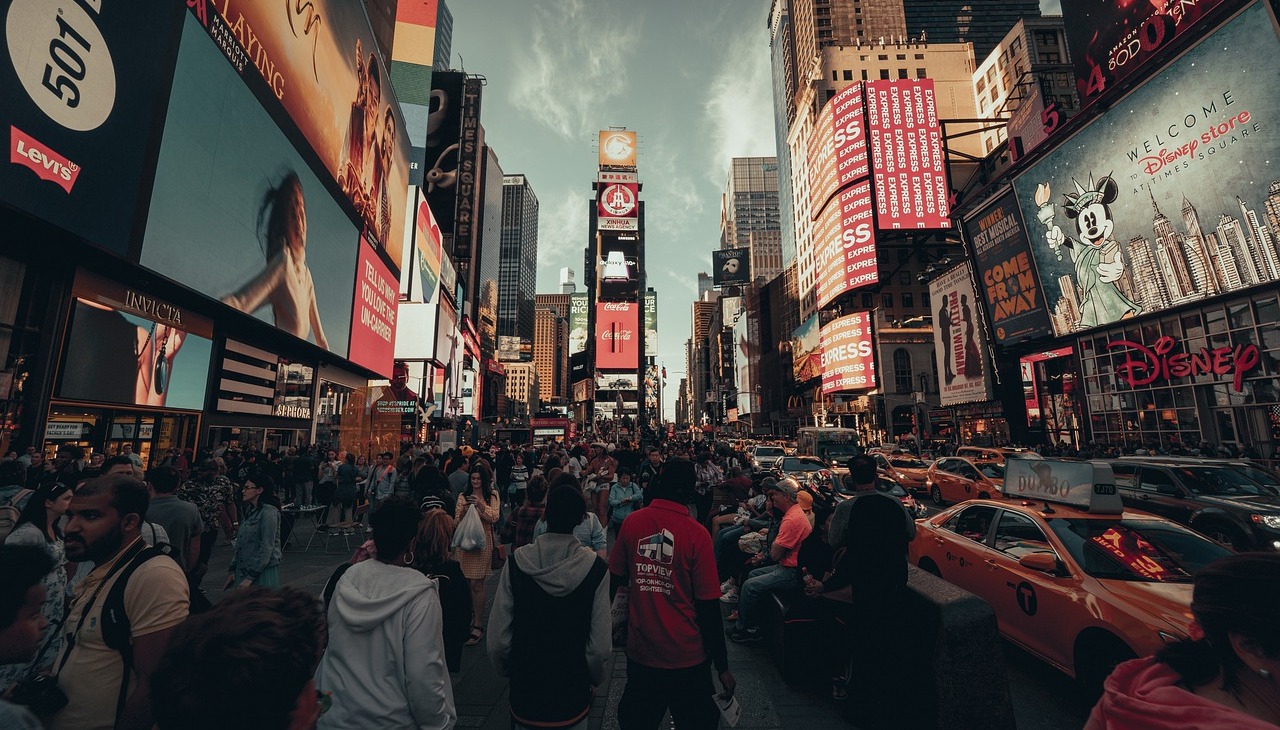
[(44, 162)]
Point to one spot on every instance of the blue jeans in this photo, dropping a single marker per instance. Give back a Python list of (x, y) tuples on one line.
[(727, 536), (760, 583)]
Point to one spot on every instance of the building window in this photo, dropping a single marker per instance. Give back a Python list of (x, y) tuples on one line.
[(908, 300), (848, 75), (902, 73), (886, 301), (924, 299), (905, 278), (901, 56), (884, 74), (920, 73), (904, 255), (902, 370), (835, 75), (919, 56), (864, 74), (867, 301), (882, 57)]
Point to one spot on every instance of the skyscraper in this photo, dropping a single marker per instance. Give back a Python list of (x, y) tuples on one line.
[(567, 283), (1231, 238), (551, 346), (980, 22), (749, 214), (518, 270), (1261, 247), (1271, 209), (444, 38), (1203, 270), (1149, 284), (1171, 257)]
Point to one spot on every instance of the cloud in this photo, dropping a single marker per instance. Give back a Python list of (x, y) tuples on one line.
[(577, 61), (739, 106), (562, 237)]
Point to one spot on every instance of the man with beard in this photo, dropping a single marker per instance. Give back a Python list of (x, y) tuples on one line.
[(109, 687)]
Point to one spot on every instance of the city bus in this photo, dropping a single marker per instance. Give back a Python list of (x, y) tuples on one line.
[(832, 445)]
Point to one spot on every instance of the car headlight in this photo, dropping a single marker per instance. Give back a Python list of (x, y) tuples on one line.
[(1272, 521)]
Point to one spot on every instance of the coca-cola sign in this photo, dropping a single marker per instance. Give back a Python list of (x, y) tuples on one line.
[(1147, 365), (617, 345)]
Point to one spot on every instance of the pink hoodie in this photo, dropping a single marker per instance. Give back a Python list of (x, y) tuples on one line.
[(1144, 693)]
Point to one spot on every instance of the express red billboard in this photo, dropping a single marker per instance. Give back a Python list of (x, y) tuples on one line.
[(848, 355), (908, 164), (1111, 40), (837, 147), (617, 338), (845, 244)]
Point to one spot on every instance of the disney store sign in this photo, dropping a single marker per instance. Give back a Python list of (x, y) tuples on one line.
[(1146, 365)]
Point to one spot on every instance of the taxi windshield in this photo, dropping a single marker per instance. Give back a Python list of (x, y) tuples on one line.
[(1219, 481), (1144, 551), (908, 463), (991, 470), (791, 464)]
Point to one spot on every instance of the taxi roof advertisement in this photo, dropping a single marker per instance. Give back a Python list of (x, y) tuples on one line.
[(1165, 199), (1110, 40), (1085, 484), (906, 152), (1006, 272), (848, 354), (957, 338)]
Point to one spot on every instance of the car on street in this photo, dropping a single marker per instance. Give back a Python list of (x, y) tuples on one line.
[(906, 470), (952, 479), (1210, 497), (1073, 576), (761, 457), (995, 453)]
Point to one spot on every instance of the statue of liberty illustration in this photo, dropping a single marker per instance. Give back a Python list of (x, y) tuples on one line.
[(1096, 254)]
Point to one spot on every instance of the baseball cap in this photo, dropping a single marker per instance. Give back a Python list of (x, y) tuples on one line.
[(787, 486)]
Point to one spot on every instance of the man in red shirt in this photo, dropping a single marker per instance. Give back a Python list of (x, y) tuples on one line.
[(674, 629), (784, 574)]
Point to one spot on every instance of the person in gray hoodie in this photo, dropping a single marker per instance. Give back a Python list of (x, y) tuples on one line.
[(385, 663), (549, 628)]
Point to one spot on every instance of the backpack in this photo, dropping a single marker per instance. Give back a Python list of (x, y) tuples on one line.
[(10, 512)]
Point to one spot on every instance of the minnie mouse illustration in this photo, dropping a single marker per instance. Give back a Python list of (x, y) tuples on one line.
[(1096, 254)]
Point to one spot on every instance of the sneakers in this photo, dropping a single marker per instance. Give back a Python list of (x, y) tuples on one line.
[(728, 585), (746, 636), (839, 688), (729, 596)]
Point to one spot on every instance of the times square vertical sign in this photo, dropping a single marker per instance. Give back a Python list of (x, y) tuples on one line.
[(470, 155)]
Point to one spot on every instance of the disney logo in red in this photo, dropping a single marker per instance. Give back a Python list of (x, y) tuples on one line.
[(1161, 363)]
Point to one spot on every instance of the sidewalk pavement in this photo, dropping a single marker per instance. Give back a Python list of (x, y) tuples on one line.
[(480, 694)]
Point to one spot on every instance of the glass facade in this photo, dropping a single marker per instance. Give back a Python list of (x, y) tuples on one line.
[(1199, 406)]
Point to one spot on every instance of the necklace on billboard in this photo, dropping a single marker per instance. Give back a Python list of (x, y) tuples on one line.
[(160, 373)]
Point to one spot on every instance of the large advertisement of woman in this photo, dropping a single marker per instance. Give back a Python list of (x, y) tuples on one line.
[(239, 215)]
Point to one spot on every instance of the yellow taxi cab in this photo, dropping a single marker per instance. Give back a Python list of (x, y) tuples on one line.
[(906, 470), (953, 479), (1073, 577)]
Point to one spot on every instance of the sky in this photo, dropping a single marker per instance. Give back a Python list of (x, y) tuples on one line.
[(692, 77)]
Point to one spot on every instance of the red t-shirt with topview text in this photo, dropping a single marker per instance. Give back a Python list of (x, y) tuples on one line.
[(668, 562)]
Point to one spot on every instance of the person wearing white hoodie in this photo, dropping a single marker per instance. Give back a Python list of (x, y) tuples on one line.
[(549, 629), (385, 663)]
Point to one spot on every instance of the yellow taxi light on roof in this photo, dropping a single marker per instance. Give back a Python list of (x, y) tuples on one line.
[(1087, 485)]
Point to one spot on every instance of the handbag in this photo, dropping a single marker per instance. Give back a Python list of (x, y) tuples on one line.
[(470, 533), (498, 557)]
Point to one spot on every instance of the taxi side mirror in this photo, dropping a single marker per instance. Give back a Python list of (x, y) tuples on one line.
[(1043, 562)]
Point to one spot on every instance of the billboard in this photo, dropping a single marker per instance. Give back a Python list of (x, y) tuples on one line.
[(80, 92), (471, 158), (617, 381), (416, 331), (444, 130), (318, 62), (806, 351), (617, 148), (837, 152), (742, 352), (1010, 288), (731, 266), (906, 151), (1109, 40), (651, 324), (125, 346), (848, 354), (1169, 198), (957, 338), (373, 319), (618, 268), (238, 214), (578, 317), (420, 280), (618, 207), (616, 340), (845, 245)]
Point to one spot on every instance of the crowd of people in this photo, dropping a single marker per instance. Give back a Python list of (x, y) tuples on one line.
[(103, 622)]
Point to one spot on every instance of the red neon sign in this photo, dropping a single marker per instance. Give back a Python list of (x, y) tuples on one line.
[(1148, 364)]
